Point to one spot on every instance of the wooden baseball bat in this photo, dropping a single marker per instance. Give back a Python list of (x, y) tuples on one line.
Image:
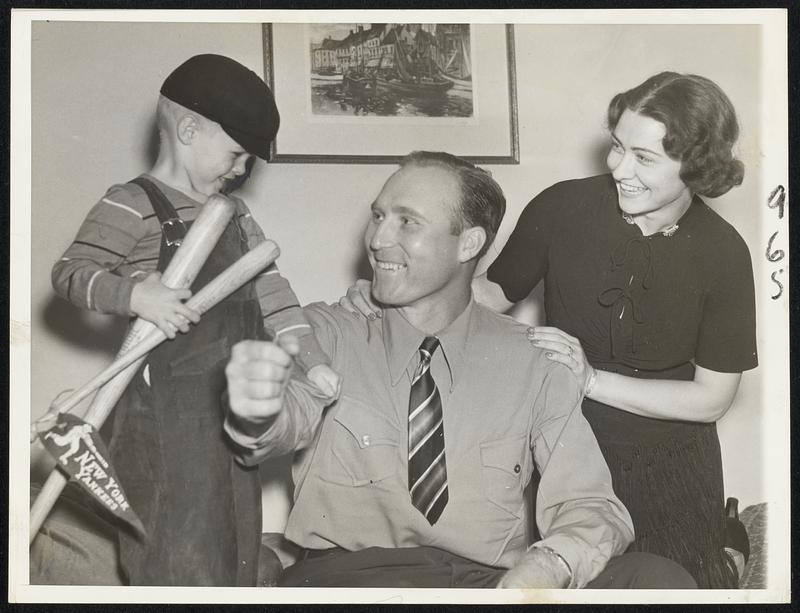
[(227, 282), (182, 270), (186, 263), (189, 258)]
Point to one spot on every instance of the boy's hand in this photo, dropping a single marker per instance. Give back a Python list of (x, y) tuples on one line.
[(162, 306), (257, 374), (326, 379)]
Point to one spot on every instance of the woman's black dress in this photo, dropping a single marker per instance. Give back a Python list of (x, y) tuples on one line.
[(648, 307)]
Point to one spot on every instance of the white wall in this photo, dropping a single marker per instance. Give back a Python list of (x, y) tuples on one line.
[(94, 87)]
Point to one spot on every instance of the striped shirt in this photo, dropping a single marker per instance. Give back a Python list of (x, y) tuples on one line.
[(118, 245)]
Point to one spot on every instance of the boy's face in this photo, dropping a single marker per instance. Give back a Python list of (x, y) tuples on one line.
[(215, 159)]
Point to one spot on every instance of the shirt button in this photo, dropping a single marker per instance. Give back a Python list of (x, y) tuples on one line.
[(517, 468), (365, 440)]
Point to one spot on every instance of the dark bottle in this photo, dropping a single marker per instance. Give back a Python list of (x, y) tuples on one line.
[(735, 533)]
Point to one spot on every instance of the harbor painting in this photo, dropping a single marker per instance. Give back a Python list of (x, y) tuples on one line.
[(369, 93), (390, 70)]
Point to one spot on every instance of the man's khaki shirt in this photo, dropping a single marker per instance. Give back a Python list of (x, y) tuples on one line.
[(506, 407)]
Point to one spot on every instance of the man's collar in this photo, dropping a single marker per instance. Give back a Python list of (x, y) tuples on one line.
[(402, 341)]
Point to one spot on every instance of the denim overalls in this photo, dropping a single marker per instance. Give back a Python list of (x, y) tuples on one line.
[(200, 508)]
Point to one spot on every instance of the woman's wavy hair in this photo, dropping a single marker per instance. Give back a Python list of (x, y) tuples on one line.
[(701, 127)]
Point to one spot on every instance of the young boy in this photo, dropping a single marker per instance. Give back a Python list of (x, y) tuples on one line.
[(201, 510)]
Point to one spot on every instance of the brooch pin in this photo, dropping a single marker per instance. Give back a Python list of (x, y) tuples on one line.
[(665, 232)]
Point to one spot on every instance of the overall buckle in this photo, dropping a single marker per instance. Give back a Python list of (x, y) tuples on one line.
[(174, 230)]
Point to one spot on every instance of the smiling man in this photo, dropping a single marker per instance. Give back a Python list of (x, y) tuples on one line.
[(414, 477)]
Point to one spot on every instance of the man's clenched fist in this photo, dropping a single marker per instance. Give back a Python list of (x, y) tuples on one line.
[(257, 373)]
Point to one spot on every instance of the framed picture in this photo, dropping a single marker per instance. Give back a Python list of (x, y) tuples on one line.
[(371, 93)]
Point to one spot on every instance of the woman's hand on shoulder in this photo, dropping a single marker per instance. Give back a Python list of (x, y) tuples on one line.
[(358, 300), (561, 347)]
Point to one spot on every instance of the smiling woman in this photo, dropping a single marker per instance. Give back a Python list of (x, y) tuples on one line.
[(650, 302), (648, 181)]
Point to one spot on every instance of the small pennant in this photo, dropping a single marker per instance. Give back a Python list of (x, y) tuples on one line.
[(81, 453)]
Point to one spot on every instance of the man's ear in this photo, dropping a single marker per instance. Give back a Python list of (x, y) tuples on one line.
[(471, 242), (187, 128)]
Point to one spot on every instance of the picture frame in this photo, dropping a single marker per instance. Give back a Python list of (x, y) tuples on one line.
[(337, 122)]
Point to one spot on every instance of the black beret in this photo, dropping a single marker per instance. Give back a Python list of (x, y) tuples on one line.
[(235, 97)]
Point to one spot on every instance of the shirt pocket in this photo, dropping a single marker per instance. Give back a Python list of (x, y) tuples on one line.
[(364, 446), (201, 360), (503, 472)]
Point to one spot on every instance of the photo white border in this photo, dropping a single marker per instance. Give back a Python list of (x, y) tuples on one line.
[(773, 321)]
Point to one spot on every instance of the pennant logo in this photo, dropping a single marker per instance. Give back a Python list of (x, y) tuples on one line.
[(79, 450)]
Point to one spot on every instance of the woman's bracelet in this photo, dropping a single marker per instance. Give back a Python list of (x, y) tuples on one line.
[(590, 382)]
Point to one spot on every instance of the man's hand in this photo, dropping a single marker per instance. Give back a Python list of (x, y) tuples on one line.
[(538, 568), (258, 373), (326, 379), (162, 306)]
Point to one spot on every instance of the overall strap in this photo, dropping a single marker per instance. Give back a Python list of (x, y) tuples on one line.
[(172, 226)]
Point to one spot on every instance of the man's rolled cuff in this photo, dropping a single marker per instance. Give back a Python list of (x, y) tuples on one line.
[(248, 439), (558, 559), (584, 565)]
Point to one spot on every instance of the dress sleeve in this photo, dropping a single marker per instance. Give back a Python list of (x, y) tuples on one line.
[(280, 307), (727, 333), (523, 261), (87, 274)]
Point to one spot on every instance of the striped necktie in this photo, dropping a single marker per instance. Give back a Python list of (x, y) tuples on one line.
[(427, 472)]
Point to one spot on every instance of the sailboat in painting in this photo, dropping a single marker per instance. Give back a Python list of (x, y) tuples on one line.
[(412, 78), (458, 66), (358, 80)]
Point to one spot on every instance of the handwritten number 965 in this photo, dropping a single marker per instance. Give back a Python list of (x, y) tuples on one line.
[(776, 200)]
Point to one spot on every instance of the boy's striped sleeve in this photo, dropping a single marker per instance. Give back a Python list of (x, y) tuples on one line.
[(85, 274)]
